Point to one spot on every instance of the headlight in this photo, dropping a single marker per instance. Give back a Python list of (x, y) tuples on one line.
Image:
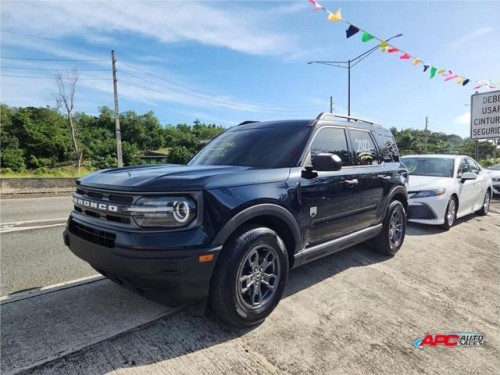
[(428, 193), (163, 211)]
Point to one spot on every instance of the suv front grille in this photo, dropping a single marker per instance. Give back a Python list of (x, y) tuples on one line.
[(105, 199), (96, 236)]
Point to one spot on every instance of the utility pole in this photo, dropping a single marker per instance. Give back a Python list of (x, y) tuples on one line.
[(117, 114), (331, 104), (426, 134)]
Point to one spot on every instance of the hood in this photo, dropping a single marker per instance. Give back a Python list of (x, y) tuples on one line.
[(180, 177), (418, 183), (493, 173)]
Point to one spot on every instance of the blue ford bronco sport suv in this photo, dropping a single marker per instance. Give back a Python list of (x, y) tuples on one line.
[(258, 200)]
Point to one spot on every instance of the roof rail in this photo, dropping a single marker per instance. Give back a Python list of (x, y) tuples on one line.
[(247, 122), (332, 116)]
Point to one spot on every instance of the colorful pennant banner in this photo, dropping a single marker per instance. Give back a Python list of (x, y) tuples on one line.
[(448, 75)]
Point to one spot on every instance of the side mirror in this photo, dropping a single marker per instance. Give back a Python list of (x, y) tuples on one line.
[(327, 162), (468, 176)]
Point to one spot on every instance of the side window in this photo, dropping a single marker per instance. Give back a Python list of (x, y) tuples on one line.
[(389, 149), (332, 140), (364, 147), (463, 167), (473, 166)]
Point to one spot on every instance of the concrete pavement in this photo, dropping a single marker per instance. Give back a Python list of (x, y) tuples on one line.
[(356, 312)]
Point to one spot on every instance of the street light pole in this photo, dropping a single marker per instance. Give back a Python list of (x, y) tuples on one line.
[(351, 63)]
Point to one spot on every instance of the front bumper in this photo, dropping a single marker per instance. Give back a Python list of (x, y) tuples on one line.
[(496, 187), (430, 210), (173, 277)]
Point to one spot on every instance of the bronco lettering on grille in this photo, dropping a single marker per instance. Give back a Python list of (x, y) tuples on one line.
[(99, 206)]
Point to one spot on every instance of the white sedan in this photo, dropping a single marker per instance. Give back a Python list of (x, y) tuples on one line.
[(443, 188), (494, 172)]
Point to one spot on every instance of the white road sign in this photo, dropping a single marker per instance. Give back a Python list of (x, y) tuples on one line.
[(485, 115)]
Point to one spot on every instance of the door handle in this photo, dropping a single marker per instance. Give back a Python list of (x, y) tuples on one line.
[(352, 182), (383, 177)]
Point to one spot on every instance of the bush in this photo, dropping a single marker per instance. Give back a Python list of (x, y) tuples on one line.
[(179, 155), (12, 159)]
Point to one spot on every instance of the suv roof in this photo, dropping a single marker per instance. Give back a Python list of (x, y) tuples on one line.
[(323, 119)]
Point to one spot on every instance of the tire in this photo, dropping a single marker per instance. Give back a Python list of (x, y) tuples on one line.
[(390, 240), (486, 204), (450, 214), (249, 301)]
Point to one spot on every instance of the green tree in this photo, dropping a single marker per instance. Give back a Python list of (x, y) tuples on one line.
[(179, 155)]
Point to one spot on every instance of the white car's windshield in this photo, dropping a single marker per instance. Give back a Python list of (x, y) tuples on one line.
[(437, 167)]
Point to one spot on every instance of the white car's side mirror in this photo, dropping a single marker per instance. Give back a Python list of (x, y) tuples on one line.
[(468, 176)]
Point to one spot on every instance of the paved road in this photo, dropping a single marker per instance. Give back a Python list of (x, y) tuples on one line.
[(29, 209), (36, 257), (355, 312)]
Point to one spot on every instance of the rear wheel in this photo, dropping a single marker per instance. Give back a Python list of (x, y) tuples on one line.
[(390, 240), (250, 278), (486, 204), (451, 213)]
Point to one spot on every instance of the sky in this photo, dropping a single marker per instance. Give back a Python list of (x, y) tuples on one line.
[(225, 62)]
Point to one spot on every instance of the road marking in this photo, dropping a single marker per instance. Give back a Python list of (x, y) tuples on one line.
[(16, 223), (10, 230), (21, 225), (14, 297)]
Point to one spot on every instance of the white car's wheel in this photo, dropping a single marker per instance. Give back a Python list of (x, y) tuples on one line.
[(451, 213), (486, 204)]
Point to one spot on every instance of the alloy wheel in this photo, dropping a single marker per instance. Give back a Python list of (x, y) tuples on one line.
[(258, 277)]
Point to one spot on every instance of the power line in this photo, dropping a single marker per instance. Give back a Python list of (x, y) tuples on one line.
[(211, 102), (39, 37), (204, 95), (55, 69), (37, 59), (41, 77)]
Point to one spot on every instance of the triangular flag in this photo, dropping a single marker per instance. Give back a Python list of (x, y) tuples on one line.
[(441, 71), (405, 56), (426, 67), (316, 5), (392, 50), (450, 77), (383, 44), (460, 80), (465, 82), (337, 16), (416, 61), (366, 37), (433, 72), (351, 31)]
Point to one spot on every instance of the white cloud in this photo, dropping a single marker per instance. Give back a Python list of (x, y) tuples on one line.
[(462, 119), (472, 36), (216, 24)]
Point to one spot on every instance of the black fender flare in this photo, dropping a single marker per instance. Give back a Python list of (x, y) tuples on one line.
[(398, 189), (266, 209)]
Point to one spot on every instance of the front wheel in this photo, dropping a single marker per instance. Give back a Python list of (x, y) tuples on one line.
[(390, 240), (450, 214), (250, 277), (486, 204)]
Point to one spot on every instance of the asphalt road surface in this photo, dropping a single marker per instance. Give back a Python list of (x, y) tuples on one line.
[(355, 312), (31, 209), (33, 253)]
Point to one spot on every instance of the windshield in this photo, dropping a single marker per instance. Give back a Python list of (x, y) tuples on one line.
[(266, 147), (438, 167)]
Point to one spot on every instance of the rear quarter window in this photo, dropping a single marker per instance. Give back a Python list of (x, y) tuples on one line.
[(388, 147)]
